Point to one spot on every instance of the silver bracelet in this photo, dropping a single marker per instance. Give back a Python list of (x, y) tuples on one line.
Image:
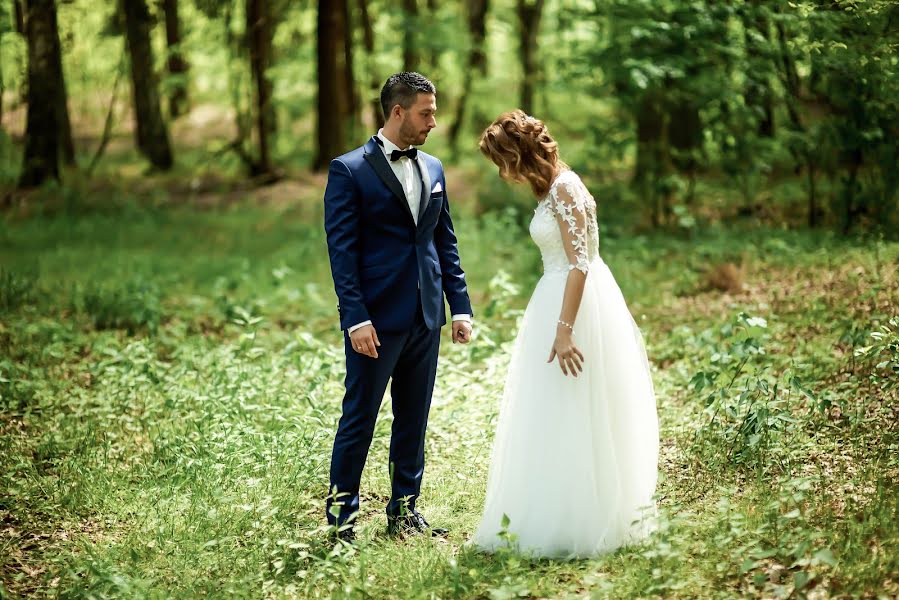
[(568, 325)]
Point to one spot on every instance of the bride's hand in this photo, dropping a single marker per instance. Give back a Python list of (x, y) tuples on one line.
[(570, 358)]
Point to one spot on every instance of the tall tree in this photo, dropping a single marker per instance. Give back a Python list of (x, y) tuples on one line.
[(43, 130), (2, 91), (178, 66), (653, 155), (374, 86), (19, 14), (259, 24), (685, 135), (333, 97), (529, 15), (6, 27), (433, 50), (757, 38), (67, 145), (410, 39), (151, 131), (476, 13), (350, 83), (683, 100)]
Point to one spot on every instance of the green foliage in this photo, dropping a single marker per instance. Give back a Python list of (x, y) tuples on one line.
[(16, 289), (747, 416), (17, 388), (750, 90), (883, 355), (132, 305)]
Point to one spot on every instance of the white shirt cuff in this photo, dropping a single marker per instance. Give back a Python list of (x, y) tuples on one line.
[(462, 317), (357, 326)]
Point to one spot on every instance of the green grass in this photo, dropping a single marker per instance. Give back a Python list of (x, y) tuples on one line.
[(170, 381)]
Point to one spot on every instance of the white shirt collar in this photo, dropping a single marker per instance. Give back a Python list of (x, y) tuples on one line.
[(388, 146)]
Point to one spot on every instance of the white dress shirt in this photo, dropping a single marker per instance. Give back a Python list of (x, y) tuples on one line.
[(408, 177), (405, 172)]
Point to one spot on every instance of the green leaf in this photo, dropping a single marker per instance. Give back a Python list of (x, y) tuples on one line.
[(639, 79), (825, 555), (802, 579), (748, 565)]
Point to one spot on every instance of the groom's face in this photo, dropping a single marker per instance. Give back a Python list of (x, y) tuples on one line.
[(418, 120)]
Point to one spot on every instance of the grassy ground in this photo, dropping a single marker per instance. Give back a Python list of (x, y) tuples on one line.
[(170, 381)]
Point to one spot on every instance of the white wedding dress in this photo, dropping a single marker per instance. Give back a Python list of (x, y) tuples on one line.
[(574, 460)]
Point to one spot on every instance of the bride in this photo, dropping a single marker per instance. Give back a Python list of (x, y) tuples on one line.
[(573, 470)]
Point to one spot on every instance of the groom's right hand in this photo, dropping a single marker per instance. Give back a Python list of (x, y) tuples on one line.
[(365, 341)]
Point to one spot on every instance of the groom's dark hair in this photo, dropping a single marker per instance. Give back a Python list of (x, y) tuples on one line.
[(403, 88)]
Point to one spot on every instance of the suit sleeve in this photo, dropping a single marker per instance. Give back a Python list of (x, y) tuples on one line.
[(342, 226), (454, 285)]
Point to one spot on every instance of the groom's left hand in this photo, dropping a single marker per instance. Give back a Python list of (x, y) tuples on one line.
[(461, 332)]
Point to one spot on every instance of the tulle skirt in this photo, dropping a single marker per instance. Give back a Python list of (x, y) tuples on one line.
[(574, 462)]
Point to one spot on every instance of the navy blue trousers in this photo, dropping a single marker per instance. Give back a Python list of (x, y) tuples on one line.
[(409, 359)]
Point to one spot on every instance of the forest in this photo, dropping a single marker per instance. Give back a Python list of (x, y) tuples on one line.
[(171, 363)]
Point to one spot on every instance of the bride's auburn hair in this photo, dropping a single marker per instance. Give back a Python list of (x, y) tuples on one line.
[(523, 149)]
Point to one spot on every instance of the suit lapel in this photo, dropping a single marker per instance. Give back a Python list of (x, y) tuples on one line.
[(425, 185), (421, 170), (375, 157)]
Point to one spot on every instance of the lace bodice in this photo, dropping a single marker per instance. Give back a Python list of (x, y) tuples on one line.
[(564, 226)]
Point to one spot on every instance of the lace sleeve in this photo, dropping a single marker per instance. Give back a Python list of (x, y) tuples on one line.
[(569, 204)]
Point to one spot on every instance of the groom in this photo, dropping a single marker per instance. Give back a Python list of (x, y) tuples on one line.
[(393, 257)]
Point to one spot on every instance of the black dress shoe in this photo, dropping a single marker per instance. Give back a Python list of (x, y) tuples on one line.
[(412, 524), (347, 535)]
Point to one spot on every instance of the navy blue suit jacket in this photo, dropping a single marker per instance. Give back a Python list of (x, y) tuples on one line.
[(383, 265)]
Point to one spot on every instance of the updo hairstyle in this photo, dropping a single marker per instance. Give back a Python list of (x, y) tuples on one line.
[(521, 146)]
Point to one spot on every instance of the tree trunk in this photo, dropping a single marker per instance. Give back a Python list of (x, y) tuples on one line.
[(107, 125), (765, 100), (851, 210), (812, 196), (477, 63), (685, 136), (333, 99), (178, 66), (433, 51), (368, 40), (653, 160), (42, 130), (410, 30), (350, 84), (758, 87), (650, 134), (529, 26), (259, 37), (243, 118), (152, 134), (66, 145), (789, 76), (2, 91), (19, 14)]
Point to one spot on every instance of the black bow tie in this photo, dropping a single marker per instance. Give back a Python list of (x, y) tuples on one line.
[(398, 154)]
